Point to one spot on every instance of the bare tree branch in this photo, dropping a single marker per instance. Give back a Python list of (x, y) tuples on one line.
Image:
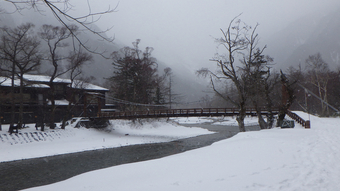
[(62, 16)]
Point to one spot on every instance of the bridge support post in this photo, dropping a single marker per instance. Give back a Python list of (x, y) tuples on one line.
[(307, 125)]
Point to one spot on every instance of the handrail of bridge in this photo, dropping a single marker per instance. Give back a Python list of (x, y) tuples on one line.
[(297, 118), (176, 112)]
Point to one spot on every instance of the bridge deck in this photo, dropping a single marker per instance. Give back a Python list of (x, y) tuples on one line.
[(178, 113)]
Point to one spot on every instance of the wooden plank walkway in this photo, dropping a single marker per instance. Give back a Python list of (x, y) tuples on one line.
[(196, 112)]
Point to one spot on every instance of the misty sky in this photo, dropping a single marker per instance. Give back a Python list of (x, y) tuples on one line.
[(182, 31)]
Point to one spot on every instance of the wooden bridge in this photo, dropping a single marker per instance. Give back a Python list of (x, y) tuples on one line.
[(197, 112)]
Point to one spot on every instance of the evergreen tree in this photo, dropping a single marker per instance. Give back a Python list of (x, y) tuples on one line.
[(135, 76)]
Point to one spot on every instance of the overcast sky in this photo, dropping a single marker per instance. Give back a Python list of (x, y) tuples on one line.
[(182, 31)]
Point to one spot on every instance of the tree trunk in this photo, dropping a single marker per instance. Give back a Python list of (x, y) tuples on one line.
[(240, 117), (65, 117), (240, 121), (21, 109), (281, 116), (321, 99), (43, 109), (261, 121), (325, 106), (12, 100), (52, 99), (270, 118), (63, 124), (269, 105)]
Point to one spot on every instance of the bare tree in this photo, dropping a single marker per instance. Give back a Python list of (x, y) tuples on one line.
[(260, 80), (30, 61), (4, 77), (270, 84), (76, 60), (170, 95), (318, 74), (238, 45), (256, 69), (60, 9), (168, 74), (19, 50), (56, 39)]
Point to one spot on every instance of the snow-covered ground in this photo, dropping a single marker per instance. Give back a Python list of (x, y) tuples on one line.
[(275, 159), (228, 121), (30, 143)]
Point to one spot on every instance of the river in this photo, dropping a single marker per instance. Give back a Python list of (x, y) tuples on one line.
[(16, 175)]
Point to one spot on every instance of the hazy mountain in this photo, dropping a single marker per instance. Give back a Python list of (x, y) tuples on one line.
[(307, 36)]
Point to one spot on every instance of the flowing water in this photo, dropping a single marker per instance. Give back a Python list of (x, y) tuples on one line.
[(16, 175)]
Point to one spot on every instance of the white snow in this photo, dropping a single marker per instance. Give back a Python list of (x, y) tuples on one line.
[(267, 160), (43, 78), (83, 85), (31, 143), (193, 120), (228, 121), (248, 121), (59, 102), (4, 81)]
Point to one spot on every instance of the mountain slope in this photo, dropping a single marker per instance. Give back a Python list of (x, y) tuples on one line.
[(307, 36)]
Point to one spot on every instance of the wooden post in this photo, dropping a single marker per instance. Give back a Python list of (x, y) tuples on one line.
[(307, 126)]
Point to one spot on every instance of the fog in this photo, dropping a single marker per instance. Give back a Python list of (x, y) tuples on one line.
[(182, 32)]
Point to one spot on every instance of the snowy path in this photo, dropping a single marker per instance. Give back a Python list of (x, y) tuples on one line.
[(319, 166)]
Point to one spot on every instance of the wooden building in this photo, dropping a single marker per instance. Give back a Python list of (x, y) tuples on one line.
[(83, 99)]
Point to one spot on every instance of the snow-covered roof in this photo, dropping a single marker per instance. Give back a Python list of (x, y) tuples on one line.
[(4, 81), (87, 86), (45, 79)]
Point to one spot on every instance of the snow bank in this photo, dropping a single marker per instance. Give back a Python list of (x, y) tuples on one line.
[(275, 159), (31, 143)]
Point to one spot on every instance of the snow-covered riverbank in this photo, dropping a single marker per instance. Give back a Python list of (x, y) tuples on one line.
[(275, 159), (30, 143)]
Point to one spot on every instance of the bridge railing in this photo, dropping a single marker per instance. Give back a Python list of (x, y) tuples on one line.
[(176, 113), (297, 118)]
